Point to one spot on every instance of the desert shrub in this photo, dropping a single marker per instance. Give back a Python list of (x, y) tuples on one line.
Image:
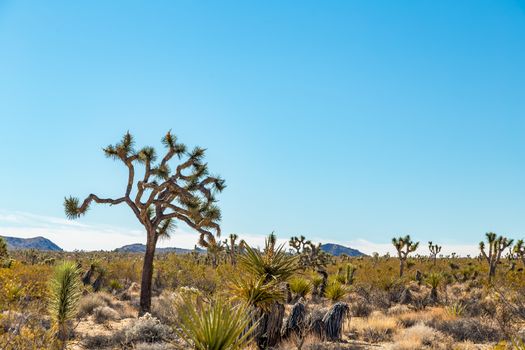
[(147, 329), (375, 329), (88, 303), (115, 285), (398, 309), (360, 308), (418, 337), (473, 329), (154, 346), (163, 308), (376, 335), (300, 286), (102, 314), (100, 341)]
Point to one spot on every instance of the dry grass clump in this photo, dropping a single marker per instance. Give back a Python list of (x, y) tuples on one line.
[(375, 329), (411, 318), (163, 307), (468, 329), (88, 303), (100, 304), (102, 314), (418, 337), (147, 329), (398, 309), (360, 308)]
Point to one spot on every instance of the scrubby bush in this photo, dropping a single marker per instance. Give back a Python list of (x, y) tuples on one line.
[(360, 308), (473, 329), (88, 303), (418, 337), (147, 329), (102, 314)]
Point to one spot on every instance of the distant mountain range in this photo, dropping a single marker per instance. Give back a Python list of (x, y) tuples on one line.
[(337, 250), (38, 243), (141, 248), (41, 243)]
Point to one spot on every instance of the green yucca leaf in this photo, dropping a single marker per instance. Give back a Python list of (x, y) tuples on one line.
[(216, 326), (300, 286), (272, 264), (64, 295), (336, 291), (255, 292)]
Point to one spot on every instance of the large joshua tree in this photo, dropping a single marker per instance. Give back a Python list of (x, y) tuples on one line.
[(161, 195), (496, 247), (404, 246)]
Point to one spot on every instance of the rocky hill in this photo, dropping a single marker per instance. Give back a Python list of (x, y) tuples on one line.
[(141, 248), (38, 243), (336, 250)]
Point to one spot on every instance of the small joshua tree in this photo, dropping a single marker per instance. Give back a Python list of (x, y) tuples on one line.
[(299, 244), (4, 255), (496, 247), (434, 251), (162, 195), (232, 248), (519, 250), (65, 292), (404, 246), (213, 247)]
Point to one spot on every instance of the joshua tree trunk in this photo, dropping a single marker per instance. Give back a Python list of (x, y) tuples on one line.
[(401, 267), (147, 274)]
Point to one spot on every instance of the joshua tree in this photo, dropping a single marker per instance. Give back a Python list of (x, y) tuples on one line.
[(299, 244), (519, 250), (161, 196), (213, 247), (404, 246), (496, 246), (434, 251), (231, 247), (310, 254), (4, 255)]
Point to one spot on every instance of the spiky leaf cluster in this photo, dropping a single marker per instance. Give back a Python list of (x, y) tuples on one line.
[(64, 295), (271, 264), (218, 326)]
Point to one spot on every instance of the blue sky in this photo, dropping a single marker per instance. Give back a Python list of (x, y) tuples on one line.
[(346, 121)]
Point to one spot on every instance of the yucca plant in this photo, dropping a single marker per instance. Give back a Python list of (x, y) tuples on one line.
[(216, 326), (455, 310), (64, 294), (433, 280), (300, 286), (336, 291), (271, 264), (257, 293)]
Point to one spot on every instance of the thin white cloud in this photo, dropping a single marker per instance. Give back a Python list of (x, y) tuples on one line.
[(71, 235)]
